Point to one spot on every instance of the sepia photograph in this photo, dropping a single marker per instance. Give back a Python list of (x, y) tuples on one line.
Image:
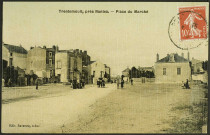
[(104, 67)]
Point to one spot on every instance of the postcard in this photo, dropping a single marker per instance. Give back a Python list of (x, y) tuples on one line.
[(105, 67)]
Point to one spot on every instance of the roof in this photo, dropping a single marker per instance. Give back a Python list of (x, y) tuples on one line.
[(126, 70), (177, 58), (195, 61), (17, 49), (91, 62), (145, 67)]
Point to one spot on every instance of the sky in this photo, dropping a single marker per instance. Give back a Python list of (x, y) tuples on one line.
[(119, 40)]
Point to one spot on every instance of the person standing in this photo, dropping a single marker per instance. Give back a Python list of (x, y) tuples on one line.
[(131, 81), (103, 83), (187, 85), (122, 83), (98, 83), (37, 84), (118, 83), (9, 82)]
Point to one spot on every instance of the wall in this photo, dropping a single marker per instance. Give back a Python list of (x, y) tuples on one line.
[(63, 69), (19, 60), (5, 54), (126, 74), (171, 72), (36, 61), (97, 67)]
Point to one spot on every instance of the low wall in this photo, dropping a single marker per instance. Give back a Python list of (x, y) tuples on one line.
[(146, 79)]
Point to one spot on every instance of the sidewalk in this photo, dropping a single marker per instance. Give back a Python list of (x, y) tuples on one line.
[(42, 115), (14, 94)]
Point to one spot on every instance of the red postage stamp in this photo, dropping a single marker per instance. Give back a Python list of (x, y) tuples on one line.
[(193, 23)]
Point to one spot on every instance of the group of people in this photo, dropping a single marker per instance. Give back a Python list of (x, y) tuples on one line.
[(101, 83), (78, 84), (120, 82)]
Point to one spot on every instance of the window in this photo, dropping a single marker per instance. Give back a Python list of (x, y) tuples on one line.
[(50, 54), (10, 54), (178, 71), (164, 71), (93, 73), (50, 62), (58, 64)]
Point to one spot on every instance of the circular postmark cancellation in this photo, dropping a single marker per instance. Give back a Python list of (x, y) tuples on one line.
[(188, 29)]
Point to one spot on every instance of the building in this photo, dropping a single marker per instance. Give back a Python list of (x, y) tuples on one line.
[(14, 56), (151, 69), (68, 65), (97, 70), (196, 66), (107, 73), (172, 68), (126, 74), (86, 69), (41, 61)]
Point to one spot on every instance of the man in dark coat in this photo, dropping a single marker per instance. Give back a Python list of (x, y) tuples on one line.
[(37, 84), (187, 85), (122, 83), (131, 81)]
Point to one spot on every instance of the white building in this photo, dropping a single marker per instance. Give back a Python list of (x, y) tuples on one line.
[(97, 70), (14, 56), (172, 68)]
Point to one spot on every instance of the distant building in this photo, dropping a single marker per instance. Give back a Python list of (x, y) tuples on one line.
[(196, 66), (68, 65), (97, 70), (41, 61), (14, 56), (86, 69), (126, 74), (107, 73), (172, 68), (151, 69)]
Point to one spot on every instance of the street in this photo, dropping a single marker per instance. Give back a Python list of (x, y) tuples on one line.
[(138, 108)]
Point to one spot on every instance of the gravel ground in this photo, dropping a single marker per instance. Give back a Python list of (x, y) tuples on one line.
[(51, 107), (141, 108)]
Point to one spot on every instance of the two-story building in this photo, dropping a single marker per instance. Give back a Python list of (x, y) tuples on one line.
[(172, 68), (68, 65), (41, 61), (14, 56), (97, 70)]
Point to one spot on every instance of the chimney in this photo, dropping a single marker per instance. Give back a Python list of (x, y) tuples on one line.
[(183, 55), (56, 48), (85, 52), (53, 47), (157, 57), (81, 51), (171, 58), (188, 55), (44, 47)]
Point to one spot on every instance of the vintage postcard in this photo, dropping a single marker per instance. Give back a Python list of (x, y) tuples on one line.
[(105, 67)]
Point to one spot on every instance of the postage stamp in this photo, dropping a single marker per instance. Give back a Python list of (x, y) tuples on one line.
[(192, 22)]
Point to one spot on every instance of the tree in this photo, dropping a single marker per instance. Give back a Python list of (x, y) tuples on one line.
[(205, 65)]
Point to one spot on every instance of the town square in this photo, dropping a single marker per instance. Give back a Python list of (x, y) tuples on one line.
[(110, 72)]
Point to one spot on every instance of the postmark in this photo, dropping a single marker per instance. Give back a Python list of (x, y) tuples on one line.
[(188, 29)]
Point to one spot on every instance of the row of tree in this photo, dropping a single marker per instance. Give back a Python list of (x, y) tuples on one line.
[(137, 73)]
